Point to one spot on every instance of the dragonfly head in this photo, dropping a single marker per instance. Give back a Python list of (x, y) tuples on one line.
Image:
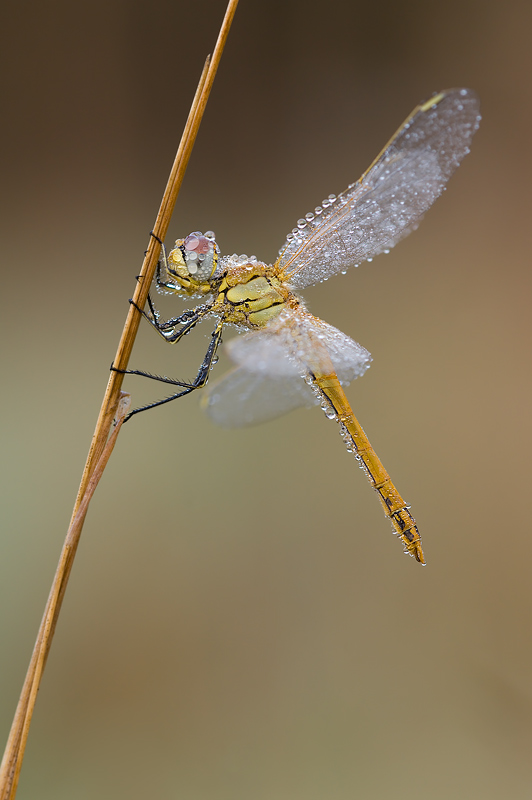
[(192, 263)]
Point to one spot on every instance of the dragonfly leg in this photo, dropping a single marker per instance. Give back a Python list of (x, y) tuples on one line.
[(167, 329), (162, 285), (138, 277), (185, 387)]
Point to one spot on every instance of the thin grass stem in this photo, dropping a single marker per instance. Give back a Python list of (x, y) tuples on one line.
[(114, 406)]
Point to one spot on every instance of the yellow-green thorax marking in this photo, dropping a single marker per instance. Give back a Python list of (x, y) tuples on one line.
[(251, 295)]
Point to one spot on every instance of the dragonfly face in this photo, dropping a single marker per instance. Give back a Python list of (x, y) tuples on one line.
[(192, 264)]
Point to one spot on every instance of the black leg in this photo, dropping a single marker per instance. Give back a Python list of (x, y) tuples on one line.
[(186, 317), (201, 378), (187, 320)]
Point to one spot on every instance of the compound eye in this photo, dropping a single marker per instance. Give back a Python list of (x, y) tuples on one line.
[(201, 254)]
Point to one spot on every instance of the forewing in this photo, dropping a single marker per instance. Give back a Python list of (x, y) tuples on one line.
[(386, 204)]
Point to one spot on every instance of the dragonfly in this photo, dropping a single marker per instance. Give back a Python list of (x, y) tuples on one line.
[(286, 356)]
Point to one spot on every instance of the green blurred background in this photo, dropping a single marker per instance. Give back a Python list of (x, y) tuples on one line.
[(240, 622)]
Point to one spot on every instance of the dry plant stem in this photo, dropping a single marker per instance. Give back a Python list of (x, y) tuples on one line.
[(102, 444), (152, 254), (143, 284), (61, 577)]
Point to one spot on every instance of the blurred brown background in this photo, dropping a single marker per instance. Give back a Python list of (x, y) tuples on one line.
[(252, 629)]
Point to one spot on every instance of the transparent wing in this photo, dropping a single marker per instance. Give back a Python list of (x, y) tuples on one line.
[(296, 342), (241, 398), (386, 204), (271, 363)]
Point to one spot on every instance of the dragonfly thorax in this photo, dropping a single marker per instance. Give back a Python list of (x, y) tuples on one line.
[(251, 294)]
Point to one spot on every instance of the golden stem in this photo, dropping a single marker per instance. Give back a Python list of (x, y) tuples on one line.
[(113, 406)]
